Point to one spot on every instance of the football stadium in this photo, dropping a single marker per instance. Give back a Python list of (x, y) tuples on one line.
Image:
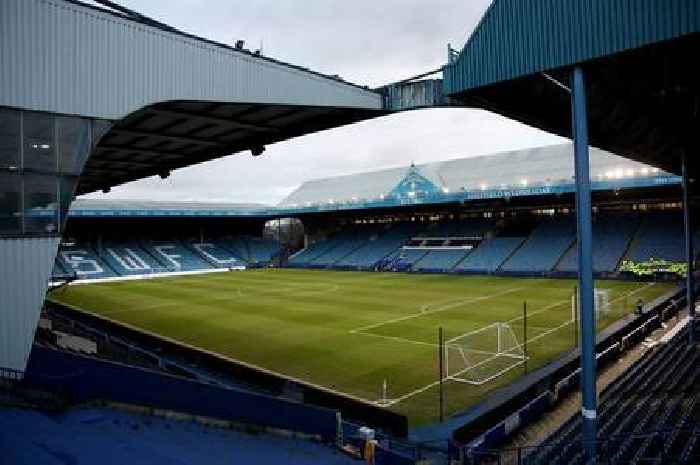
[(531, 306)]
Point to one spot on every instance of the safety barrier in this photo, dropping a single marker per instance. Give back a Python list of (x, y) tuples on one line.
[(268, 381), (79, 379)]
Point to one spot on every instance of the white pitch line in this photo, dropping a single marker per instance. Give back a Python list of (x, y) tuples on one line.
[(539, 336), (445, 307)]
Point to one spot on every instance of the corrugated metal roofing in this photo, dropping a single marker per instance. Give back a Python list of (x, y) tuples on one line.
[(530, 167), (62, 57), (126, 204), (522, 37)]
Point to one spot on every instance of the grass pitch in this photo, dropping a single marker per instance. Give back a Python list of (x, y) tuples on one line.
[(355, 331)]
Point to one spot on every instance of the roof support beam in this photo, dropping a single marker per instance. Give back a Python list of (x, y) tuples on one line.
[(214, 120), (184, 139), (150, 152)]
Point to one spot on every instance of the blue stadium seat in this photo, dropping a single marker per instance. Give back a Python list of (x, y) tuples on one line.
[(129, 259), (262, 250), (102, 436), (440, 259), (489, 255), (654, 396), (660, 236), (85, 262), (216, 254), (543, 248), (611, 238), (378, 247), (177, 257)]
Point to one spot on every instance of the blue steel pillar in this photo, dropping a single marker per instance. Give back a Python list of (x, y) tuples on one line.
[(585, 260), (689, 254)]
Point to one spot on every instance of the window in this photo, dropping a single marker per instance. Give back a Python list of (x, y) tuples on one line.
[(10, 204), (39, 144), (9, 138), (41, 213)]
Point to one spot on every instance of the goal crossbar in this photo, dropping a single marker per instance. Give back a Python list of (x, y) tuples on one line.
[(479, 356)]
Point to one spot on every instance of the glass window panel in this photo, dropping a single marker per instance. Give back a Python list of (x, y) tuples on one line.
[(73, 144), (39, 144), (10, 207), (41, 212), (67, 190), (9, 138)]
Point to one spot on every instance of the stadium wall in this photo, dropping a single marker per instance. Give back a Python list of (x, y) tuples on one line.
[(82, 379), (352, 409)]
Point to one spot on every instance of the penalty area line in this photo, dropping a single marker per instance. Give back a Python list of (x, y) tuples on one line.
[(443, 308)]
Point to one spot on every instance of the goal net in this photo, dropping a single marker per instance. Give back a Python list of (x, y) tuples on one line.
[(601, 303), (482, 355)]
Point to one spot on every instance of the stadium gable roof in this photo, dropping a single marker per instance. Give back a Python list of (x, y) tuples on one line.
[(541, 166)]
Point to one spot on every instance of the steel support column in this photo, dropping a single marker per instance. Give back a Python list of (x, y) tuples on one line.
[(689, 254), (585, 260)]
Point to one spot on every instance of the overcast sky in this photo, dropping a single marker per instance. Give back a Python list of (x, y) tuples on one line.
[(370, 42)]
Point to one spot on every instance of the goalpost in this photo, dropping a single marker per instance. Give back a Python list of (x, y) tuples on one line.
[(479, 356), (601, 303)]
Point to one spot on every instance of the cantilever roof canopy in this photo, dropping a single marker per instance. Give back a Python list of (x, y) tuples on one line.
[(171, 99), (639, 60), (159, 138)]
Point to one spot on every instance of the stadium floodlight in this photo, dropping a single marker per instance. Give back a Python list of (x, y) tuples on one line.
[(446, 190), (645, 170), (484, 187), (619, 172), (629, 172), (523, 182)]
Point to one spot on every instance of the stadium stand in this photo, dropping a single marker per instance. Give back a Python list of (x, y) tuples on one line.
[(313, 251), (611, 238), (378, 247), (128, 259), (99, 435), (660, 236), (215, 254), (84, 261), (440, 259), (262, 250), (541, 251), (532, 245), (177, 257), (237, 246), (649, 415), (490, 254)]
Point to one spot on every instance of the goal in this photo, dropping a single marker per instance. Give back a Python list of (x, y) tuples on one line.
[(601, 302), (479, 356)]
